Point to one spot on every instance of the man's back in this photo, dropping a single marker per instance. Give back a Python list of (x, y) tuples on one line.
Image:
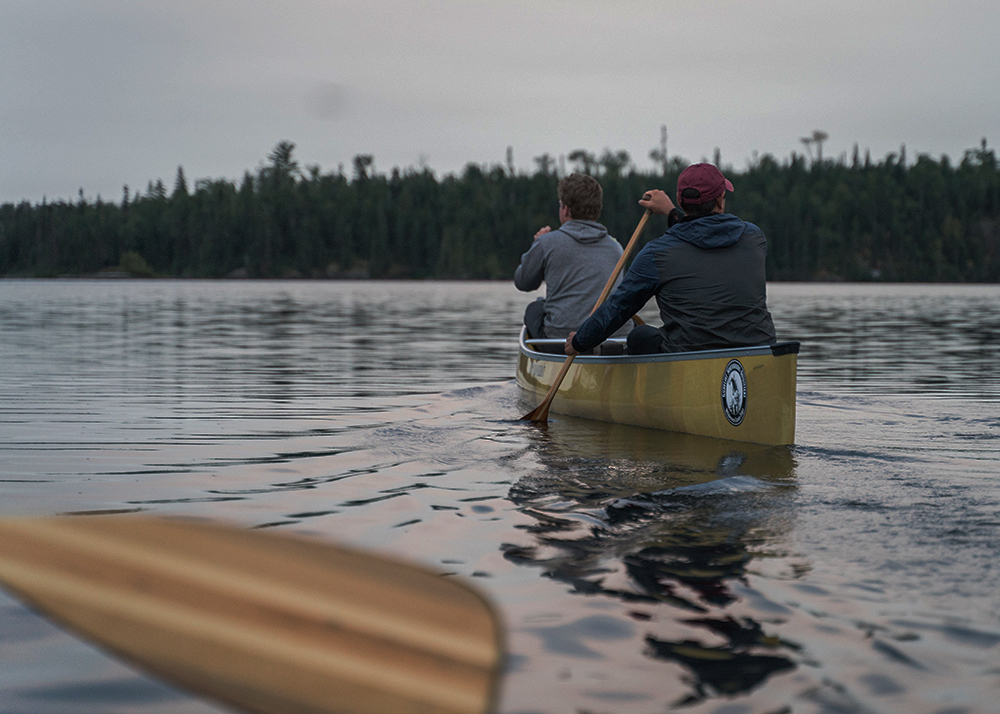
[(706, 272), (575, 262), (711, 290), (707, 275)]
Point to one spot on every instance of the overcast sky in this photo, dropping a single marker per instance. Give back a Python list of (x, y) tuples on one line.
[(95, 94)]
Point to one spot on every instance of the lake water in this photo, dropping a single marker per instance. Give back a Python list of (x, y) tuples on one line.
[(637, 571)]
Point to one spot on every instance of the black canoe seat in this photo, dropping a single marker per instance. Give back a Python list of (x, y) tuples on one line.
[(785, 348), (555, 347)]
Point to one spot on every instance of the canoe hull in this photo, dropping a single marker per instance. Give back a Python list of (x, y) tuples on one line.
[(745, 394)]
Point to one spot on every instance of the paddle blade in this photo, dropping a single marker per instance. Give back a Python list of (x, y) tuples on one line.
[(540, 414), (270, 623)]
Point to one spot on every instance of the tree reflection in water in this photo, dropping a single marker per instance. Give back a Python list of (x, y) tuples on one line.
[(663, 519)]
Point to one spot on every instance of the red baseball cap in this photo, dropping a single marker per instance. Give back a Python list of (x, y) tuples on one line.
[(707, 180)]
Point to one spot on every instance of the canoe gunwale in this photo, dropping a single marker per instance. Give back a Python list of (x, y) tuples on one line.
[(780, 348)]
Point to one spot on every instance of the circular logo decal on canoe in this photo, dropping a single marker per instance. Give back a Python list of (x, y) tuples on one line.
[(734, 392)]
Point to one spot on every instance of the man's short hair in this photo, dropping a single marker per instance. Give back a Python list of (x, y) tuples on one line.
[(695, 209), (582, 195)]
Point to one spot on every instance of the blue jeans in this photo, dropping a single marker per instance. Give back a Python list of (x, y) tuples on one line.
[(534, 319)]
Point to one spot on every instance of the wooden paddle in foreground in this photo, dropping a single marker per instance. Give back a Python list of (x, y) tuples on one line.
[(266, 622), (541, 412)]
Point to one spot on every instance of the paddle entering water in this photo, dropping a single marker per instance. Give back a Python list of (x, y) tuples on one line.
[(270, 623), (541, 412)]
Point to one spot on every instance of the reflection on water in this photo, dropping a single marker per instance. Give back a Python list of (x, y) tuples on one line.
[(649, 517), (638, 571)]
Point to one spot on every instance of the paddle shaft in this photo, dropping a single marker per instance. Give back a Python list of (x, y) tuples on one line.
[(541, 412)]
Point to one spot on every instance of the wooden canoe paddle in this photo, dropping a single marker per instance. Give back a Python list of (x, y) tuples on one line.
[(269, 623), (541, 412)]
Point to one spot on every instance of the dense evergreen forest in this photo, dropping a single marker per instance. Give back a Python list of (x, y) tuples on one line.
[(845, 219)]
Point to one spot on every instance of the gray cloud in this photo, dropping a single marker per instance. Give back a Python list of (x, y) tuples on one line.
[(109, 92)]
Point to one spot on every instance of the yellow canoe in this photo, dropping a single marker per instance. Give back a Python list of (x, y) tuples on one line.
[(742, 394)]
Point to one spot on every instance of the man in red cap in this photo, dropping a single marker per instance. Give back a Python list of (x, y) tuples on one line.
[(706, 272)]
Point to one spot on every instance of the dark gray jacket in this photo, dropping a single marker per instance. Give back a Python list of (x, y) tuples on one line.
[(575, 261), (707, 275)]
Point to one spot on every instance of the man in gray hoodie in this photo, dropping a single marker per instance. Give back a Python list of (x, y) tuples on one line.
[(575, 261)]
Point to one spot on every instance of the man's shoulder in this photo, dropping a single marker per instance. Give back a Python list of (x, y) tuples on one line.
[(553, 238), (566, 238), (663, 241), (748, 227), (718, 230), (584, 233)]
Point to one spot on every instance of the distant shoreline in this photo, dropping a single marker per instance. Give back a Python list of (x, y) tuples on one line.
[(857, 220)]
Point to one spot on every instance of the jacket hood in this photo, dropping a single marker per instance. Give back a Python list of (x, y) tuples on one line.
[(718, 230), (584, 231)]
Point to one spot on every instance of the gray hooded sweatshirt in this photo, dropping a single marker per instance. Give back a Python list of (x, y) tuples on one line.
[(575, 262)]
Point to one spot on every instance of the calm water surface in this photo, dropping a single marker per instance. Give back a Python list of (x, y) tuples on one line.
[(638, 571)]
